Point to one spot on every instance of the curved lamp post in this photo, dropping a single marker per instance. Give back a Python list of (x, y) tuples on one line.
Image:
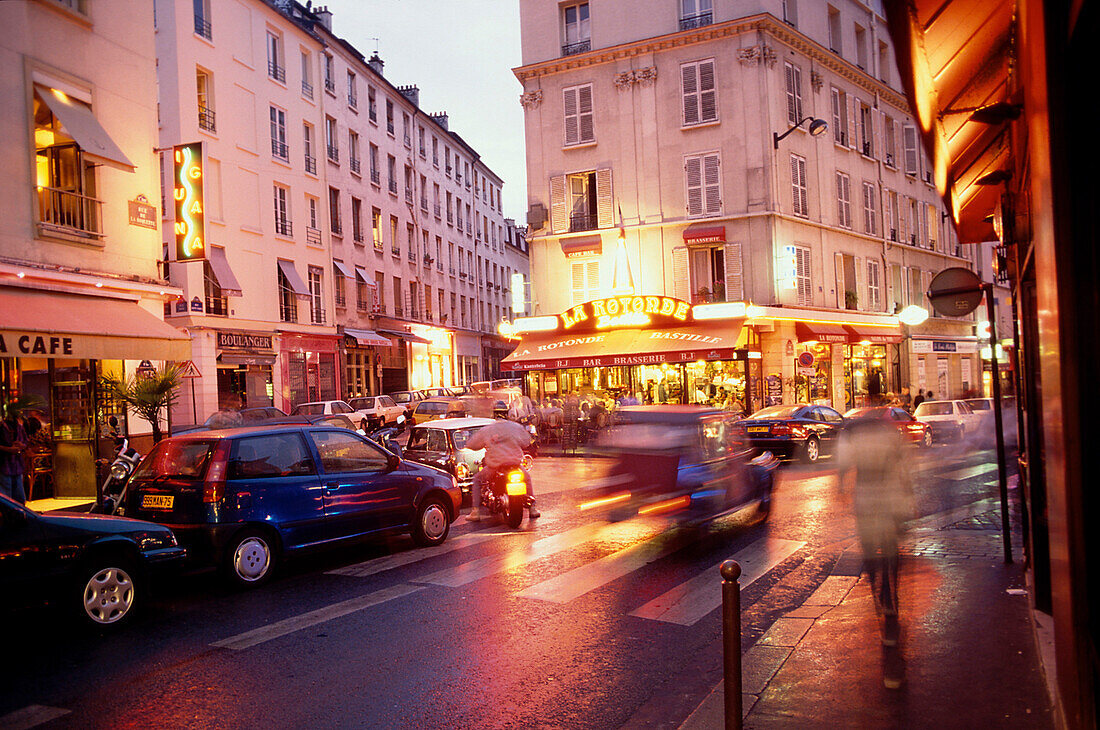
[(817, 128)]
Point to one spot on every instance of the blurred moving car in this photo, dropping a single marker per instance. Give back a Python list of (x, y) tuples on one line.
[(327, 407), (442, 444), (439, 392), (408, 400), (243, 498), (795, 431), (381, 410), (986, 429), (94, 566), (433, 409), (951, 420), (912, 430), (683, 460)]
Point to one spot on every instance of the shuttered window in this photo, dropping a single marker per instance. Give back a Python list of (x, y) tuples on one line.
[(579, 128), (704, 193), (870, 209), (802, 276), (681, 281), (840, 116), (792, 76), (798, 185), (910, 140), (874, 286), (700, 100), (735, 278), (581, 201), (585, 278), (843, 200)]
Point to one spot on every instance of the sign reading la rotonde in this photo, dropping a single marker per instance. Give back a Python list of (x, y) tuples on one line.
[(625, 311)]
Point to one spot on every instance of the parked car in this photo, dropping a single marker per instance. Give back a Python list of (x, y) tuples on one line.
[(794, 431), (442, 444), (683, 460), (327, 407), (439, 392), (951, 420), (434, 409), (408, 399), (339, 420), (94, 566), (242, 499), (228, 418), (912, 430), (460, 390), (381, 410)]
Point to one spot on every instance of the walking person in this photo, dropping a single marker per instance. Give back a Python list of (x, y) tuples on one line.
[(13, 442)]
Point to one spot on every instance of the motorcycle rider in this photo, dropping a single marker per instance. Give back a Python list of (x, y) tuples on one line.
[(503, 442)]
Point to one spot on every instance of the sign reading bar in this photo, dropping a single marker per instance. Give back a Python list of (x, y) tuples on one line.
[(626, 311), (243, 340), (187, 176)]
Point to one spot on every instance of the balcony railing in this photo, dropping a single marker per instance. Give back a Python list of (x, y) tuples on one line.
[(307, 89), (570, 49), (313, 235), (206, 119), (70, 212), (276, 71), (412, 255), (280, 149), (361, 306), (218, 306), (389, 126), (354, 164), (438, 210), (393, 187), (696, 21), (582, 222), (333, 152), (408, 195), (378, 246), (353, 101), (288, 308), (337, 228), (340, 299), (330, 86), (375, 177), (357, 236), (424, 204), (311, 164), (399, 312), (450, 218), (316, 315), (203, 28), (373, 114), (284, 227)]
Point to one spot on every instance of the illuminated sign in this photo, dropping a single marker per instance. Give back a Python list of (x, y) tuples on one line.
[(519, 306), (786, 268), (626, 311), (187, 174)]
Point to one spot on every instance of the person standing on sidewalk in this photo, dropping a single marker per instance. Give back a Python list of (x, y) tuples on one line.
[(13, 442)]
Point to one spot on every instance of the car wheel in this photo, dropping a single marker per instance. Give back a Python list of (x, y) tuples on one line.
[(108, 592), (812, 449), (249, 559), (926, 440), (433, 523)]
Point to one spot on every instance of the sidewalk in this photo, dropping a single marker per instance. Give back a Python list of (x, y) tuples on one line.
[(966, 658)]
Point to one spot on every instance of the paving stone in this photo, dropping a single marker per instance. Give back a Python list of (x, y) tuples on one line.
[(786, 632), (832, 591), (807, 612), (759, 664)]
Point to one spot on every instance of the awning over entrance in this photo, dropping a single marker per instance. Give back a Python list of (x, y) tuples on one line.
[(818, 332), (85, 129), (58, 325), (408, 336), (583, 246), (705, 234), (367, 338), (222, 273), (296, 284), (625, 347), (858, 334)]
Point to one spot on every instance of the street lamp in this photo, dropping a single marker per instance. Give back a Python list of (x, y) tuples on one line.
[(817, 128)]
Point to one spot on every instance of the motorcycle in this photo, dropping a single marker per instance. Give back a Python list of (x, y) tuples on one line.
[(506, 496), (113, 489)]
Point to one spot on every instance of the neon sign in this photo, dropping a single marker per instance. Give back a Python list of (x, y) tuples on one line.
[(626, 311), (187, 190)]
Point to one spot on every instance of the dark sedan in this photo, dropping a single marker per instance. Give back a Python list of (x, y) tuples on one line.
[(911, 430), (795, 431), (94, 566)]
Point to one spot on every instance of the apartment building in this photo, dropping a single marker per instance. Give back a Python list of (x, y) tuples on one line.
[(680, 154), (81, 295)]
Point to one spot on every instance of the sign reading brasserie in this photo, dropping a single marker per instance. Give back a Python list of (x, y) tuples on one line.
[(626, 311), (242, 341)]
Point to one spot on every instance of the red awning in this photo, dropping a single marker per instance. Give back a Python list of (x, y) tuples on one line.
[(583, 246), (858, 334), (625, 347), (817, 332), (705, 234)]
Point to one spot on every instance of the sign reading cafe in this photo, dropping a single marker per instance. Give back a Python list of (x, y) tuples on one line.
[(625, 311)]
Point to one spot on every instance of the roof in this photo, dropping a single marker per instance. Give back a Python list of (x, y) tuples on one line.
[(456, 423)]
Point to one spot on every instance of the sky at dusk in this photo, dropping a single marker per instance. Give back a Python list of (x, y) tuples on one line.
[(461, 54)]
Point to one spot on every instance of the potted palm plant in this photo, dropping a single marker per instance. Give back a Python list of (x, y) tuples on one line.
[(146, 395)]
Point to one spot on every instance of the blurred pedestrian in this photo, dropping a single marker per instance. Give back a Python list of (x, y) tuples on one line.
[(13, 441), (918, 400)]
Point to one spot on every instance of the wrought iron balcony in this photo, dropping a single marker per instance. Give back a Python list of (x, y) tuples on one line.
[(206, 119), (333, 152), (393, 187), (353, 101), (284, 227), (438, 210), (330, 86), (276, 71), (203, 28), (288, 308), (218, 306), (570, 49), (311, 164), (582, 222), (69, 212), (280, 149), (354, 164), (375, 177), (307, 89), (691, 22), (316, 315)]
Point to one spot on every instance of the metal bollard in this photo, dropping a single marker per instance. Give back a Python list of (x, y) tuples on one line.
[(731, 641)]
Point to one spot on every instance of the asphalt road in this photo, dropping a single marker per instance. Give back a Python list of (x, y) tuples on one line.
[(565, 622)]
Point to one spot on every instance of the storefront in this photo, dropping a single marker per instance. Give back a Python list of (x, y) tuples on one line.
[(53, 348), (432, 357), (245, 362), (948, 367), (843, 365), (361, 361), (467, 358), (309, 370)]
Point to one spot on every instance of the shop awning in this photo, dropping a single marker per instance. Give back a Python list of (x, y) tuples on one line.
[(341, 269), (246, 358), (818, 332), (222, 273), (858, 334), (705, 234), (296, 284), (408, 336), (583, 246), (70, 326), (625, 347), (367, 338), (85, 129)]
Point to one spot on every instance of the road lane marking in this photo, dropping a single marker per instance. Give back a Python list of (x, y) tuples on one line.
[(492, 564), (690, 601), (31, 716), (389, 562), (969, 472), (940, 520), (312, 618)]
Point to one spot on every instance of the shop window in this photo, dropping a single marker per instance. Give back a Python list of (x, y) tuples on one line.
[(813, 382)]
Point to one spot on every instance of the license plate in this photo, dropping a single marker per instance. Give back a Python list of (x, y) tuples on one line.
[(759, 429), (157, 501)]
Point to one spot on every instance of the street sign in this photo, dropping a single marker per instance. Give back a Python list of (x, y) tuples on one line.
[(806, 359), (955, 292), (189, 370)]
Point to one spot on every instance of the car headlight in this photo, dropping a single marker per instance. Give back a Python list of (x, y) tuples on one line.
[(461, 470), (156, 540), (119, 471)]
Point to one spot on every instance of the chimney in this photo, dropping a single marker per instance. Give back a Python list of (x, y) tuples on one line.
[(375, 62), (324, 17), (440, 118), (411, 92)]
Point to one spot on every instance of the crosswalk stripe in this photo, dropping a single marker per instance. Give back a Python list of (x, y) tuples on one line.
[(31, 716), (493, 564), (312, 618), (690, 601), (969, 472), (389, 562)]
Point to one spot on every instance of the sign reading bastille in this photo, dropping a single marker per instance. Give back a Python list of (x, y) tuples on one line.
[(187, 174)]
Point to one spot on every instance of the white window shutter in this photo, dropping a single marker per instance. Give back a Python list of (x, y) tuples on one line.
[(735, 278), (788, 79), (838, 260), (577, 275), (688, 77), (694, 173), (797, 94), (572, 131), (559, 210), (805, 279), (681, 284), (587, 132), (879, 122), (712, 188), (860, 285), (911, 158), (853, 112), (605, 208), (592, 273), (708, 99)]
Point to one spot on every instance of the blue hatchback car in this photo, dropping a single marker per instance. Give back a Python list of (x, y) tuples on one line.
[(243, 498)]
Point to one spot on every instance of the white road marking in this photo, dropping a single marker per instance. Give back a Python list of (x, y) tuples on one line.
[(690, 601), (389, 562), (969, 472), (940, 520), (312, 618), (31, 716)]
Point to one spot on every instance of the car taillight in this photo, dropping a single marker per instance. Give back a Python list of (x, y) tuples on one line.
[(213, 488), (781, 429)]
